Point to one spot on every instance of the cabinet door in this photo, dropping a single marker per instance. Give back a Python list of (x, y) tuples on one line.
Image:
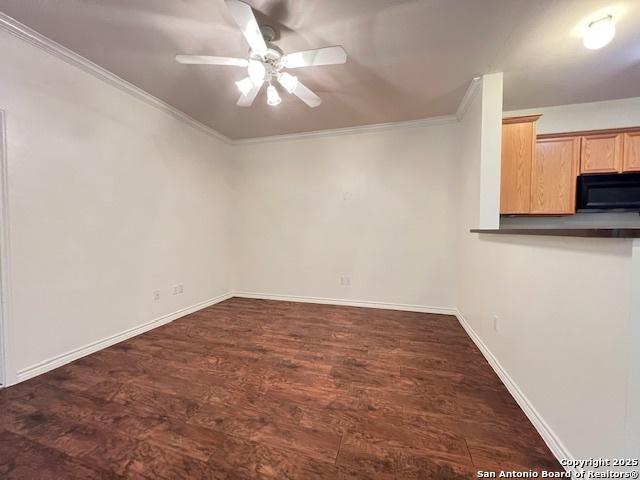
[(601, 153), (554, 174), (631, 156), (518, 143)]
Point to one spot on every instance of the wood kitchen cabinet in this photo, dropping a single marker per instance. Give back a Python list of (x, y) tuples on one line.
[(601, 153), (553, 176), (539, 173), (518, 150), (631, 155)]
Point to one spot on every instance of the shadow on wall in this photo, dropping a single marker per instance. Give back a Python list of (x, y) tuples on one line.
[(614, 246)]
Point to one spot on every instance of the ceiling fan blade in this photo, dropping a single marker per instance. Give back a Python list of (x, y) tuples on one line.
[(247, 100), (320, 56), (211, 60), (246, 20), (307, 96)]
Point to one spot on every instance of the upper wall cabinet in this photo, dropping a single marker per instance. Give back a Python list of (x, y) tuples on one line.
[(553, 176), (538, 173), (601, 153), (631, 156), (518, 150)]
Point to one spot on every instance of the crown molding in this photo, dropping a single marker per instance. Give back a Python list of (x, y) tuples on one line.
[(425, 122), (472, 89), (19, 30)]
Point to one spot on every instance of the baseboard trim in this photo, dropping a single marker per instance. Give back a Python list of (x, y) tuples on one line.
[(63, 359), (68, 357), (548, 435), (348, 303)]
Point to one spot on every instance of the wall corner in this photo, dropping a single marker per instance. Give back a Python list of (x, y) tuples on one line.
[(490, 149)]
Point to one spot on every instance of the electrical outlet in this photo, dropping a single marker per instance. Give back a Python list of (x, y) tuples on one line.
[(345, 280), (496, 323), (176, 290), (180, 288), (156, 295)]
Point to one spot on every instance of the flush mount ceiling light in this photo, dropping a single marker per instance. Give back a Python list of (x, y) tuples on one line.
[(599, 33), (267, 61)]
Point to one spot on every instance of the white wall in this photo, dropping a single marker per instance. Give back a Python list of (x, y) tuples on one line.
[(633, 389), (374, 206), (110, 199), (585, 116), (563, 306), (490, 147), (393, 209)]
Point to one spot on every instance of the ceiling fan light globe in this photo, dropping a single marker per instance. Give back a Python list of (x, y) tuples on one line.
[(256, 72), (273, 98), (288, 81), (599, 33), (245, 85)]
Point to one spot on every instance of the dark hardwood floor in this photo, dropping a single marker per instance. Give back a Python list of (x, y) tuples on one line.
[(263, 389)]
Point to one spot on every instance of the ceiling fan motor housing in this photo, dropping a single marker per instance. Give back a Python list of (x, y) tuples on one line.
[(272, 59), (268, 33), (266, 60)]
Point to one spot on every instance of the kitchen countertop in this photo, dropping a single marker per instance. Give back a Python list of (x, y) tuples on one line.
[(566, 232)]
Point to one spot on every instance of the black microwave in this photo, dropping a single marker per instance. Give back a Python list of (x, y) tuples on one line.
[(609, 192)]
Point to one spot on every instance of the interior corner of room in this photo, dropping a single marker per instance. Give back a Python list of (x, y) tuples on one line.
[(376, 267)]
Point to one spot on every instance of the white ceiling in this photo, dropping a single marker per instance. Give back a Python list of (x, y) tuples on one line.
[(408, 59)]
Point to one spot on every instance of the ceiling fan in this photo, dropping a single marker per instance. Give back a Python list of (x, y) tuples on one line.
[(267, 62)]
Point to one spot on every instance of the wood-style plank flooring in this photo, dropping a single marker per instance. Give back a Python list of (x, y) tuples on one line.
[(260, 389)]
